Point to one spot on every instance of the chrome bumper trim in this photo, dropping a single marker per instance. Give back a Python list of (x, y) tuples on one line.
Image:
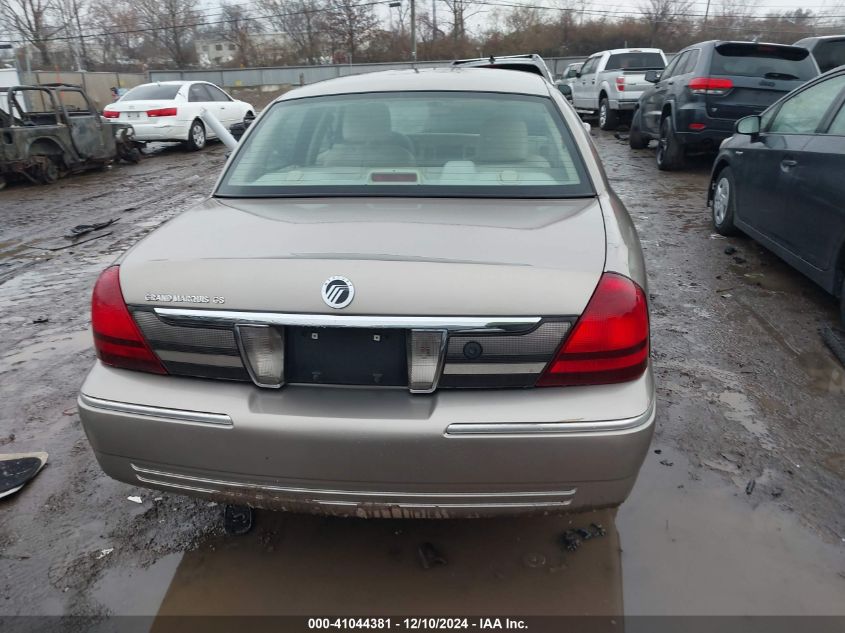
[(405, 506), (453, 324), (465, 429), (173, 415), (143, 474)]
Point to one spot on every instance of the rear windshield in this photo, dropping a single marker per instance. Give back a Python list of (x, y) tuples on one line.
[(635, 61), (830, 54), (769, 62), (150, 92), (409, 144)]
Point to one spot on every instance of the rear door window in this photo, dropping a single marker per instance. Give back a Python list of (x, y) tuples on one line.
[(199, 94), (690, 62), (805, 112), (635, 61), (829, 54), (766, 62)]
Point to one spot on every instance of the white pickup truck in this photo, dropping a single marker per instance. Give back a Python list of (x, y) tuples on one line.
[(611, 82)]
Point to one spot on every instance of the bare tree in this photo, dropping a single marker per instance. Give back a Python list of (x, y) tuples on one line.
[(301, 21), (665, 16), (172, 24), (459, 12), (350, 23), (238, 27), (33, 20)]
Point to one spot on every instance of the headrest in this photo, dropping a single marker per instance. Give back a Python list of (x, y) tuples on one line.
[(503, 140), (364, 122)]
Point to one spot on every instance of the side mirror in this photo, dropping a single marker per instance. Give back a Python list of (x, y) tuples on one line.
[(237, 130), (578, 73), (565, 90), (652, 76), (748, 125)]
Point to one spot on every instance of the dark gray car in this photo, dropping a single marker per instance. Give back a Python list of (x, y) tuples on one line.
[(780, 180), (827, 50), (706, 88)]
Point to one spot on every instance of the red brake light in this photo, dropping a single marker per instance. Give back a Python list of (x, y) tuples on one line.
[(117, 339), (620, 83), (610, 341), (111, 114), (710, 86), (161, 112)]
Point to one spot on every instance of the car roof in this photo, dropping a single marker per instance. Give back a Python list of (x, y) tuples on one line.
[(428, 79), (818, 38), (616, 51)]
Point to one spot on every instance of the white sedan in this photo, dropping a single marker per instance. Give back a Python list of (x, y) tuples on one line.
[(171, 111)]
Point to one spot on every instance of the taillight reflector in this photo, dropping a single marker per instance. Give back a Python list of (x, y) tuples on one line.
[(117, 339), (620, 83), (111, 114), (610, 341), (161, 112), (697, 126), (710, 86)]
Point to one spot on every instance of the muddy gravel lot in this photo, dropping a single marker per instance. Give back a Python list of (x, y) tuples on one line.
[(747, 393)]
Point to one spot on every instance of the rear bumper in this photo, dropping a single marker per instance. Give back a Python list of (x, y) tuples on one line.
[(160, 130), (362, 452), (624, 104)]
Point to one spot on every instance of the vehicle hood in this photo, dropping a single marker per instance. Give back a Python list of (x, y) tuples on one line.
[(404, 256)]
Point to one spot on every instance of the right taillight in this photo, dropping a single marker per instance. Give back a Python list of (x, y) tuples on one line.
[(710, 86), (610, 341), (117, 339), (161, 112)]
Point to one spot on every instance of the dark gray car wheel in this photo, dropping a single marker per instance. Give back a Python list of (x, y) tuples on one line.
[(670, 152), (196, 136), (636, 138), (608, 119), (724, 202)]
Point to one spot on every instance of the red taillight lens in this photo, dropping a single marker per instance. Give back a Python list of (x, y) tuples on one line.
[(117, 339), (710, 86), (696, 127), (111, 114), (610, 341), (620, 83), (161, 112)]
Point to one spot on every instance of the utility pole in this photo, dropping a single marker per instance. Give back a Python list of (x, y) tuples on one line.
[(433, 20), (84, 64), (413, 31), (706, 14)]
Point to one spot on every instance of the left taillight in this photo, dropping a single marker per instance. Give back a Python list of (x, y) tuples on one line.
[(117, 339), (111, 114), (715, 86), (610, 341)]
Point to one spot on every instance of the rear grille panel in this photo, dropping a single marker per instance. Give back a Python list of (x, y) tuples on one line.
[(356, 355)]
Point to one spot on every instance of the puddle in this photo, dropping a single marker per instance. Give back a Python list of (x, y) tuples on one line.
[(61, 345), (739, 408), (826, 373), (684, 543)]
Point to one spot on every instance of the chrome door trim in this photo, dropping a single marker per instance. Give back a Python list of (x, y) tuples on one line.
[(173, 415), (450, 323)]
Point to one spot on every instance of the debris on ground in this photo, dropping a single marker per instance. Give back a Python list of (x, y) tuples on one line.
[(16, 469), (776, 492), (40, 320), (657, 451), (534, 560), (666, 462), (84, 229), (730, 250), (430, 556), (238, 520), (835, 340), (64, 246), (749, 488), (135, 499), (621, 136), (104, 552), (571, 539), (740, 260)]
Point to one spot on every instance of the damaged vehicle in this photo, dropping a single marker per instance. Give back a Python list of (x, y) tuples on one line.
[(49, 131), (410, 294)]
